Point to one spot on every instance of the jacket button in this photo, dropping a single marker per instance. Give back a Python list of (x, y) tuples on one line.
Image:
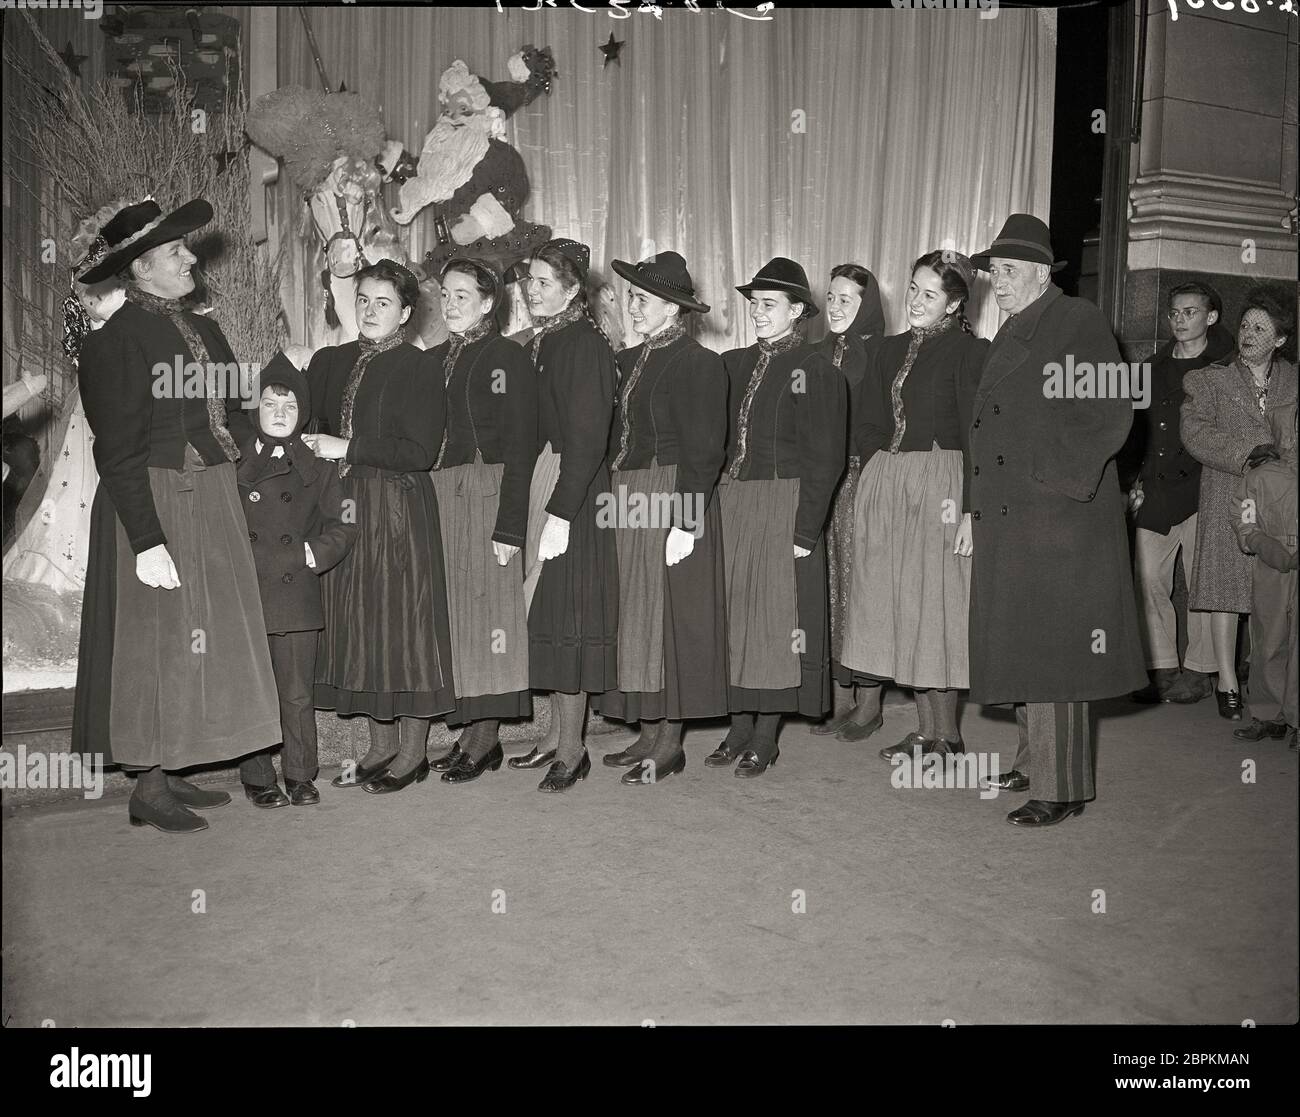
[(976, 471), (254, 496), (1001, 460), (1091, 495), (975, 515), (997, 410), (1004, 510), (286, 539), (286, 497), (1163, 425), (252, 537), (287, 578), (977, 422)]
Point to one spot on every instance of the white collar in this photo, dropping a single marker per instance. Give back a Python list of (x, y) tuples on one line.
[(278, 452)]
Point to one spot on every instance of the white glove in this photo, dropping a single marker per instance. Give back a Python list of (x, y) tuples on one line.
[(679, 546), (311, 559), (505, 552), (155, 568), (801, 552), (555, 538)]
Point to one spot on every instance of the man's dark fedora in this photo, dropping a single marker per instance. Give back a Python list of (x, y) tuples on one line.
[(1023, 237), (132, 231), (663, 274), (780, 274)]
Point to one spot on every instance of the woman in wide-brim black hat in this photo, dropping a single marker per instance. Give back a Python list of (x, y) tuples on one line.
[(666, 451), (788, 410)]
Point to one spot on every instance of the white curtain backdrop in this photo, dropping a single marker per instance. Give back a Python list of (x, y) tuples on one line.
[(827, 135)]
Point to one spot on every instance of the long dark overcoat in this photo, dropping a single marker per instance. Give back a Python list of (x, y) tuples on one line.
[(1052, 616)]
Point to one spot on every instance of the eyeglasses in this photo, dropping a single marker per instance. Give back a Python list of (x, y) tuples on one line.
[(1187, 313)]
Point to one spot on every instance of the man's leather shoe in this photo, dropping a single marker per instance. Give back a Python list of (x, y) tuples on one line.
[(905, 746), (1230, 706), (560, 778), (722, 757), (1040, 812), (302, 793), (1257, 730), (268, 797), (360, 775), (533, 759), (646, 771), (467, 769), (852, 731), (386, 783), (448, 760), (1008, 781), (192, 796), (170, 818)]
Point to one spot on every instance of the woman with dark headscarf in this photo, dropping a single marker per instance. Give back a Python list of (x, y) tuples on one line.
[(911, 535), (386, 649), (853, 314), (788, 412)]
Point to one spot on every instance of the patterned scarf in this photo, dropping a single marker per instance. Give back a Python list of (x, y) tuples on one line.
[(172, 310), (658, 341), (1261, 391), (918, 338), (456, 346), (369, 349), (841, 343), (792, 340), (570, 314)]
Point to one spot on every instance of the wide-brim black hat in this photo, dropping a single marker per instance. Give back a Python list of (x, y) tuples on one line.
[(781, 274), (664, 275), (1023, 237), (138, 228)]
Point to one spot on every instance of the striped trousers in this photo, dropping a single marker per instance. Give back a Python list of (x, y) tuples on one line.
[(1055, 750)]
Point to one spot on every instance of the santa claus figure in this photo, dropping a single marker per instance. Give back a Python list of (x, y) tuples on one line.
[(474, 180)]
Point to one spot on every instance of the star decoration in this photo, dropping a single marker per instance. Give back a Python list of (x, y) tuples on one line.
[(610, 50), (73, 60)]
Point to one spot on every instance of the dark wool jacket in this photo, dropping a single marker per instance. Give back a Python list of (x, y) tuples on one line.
[(397, 418), (937, 395), (138, 420), (676, 415), (575, 402), (797, 428), (492, 410)]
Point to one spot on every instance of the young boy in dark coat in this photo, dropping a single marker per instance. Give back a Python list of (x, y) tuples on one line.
[(299, 527)]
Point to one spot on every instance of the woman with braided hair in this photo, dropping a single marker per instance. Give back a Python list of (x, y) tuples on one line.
[(910, 588), (571, 584)]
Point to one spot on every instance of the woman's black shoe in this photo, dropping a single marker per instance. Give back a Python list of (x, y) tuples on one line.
[(360, 775), (1229, 704), (268, 797), (386, 782), (647, 771), (624, 758), (533, 759), (831, 724), (752, 764), (855, 732), (448, 760), (905, 746), (170, 818), (560, 778), (468, 769), (722, 757)]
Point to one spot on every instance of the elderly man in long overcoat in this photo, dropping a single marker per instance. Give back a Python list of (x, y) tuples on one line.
[(1053, 620)]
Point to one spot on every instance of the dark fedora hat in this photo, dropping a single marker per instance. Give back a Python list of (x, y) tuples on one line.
[(664, 274), (1023, 237), (780, 274), (132, 231)]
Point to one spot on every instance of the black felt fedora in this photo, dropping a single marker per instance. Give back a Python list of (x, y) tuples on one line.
[(1023, 237), (780, 274), (663, 274), (132, 231)]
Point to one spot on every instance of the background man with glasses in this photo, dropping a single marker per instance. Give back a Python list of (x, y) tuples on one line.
[(1164, 488)]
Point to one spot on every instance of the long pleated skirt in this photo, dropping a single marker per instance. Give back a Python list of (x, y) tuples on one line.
[(672, 633), (184, 676), (489, 625), (910, 595), (386, 647), (778, 620), (573, 615)]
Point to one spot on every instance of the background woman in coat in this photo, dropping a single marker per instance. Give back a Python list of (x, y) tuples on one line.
[(571, 572), (853, 314), (481, 476), (386, 649), (666, 451), (912, 530), (788, 412), (1225, 426)]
